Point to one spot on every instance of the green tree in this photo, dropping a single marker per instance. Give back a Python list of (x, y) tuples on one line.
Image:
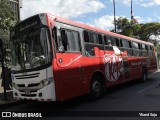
[(6, 19), (127, 27), (149, 29), (142, 31)]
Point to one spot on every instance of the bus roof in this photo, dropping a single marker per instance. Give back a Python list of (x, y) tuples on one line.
[(81, 25)]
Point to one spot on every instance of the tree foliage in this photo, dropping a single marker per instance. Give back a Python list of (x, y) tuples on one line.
[(149, 29), (6, 19), (6, 15), (127, 27), (142, 31)]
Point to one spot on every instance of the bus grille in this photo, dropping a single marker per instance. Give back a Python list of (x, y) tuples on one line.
[(32, 88), (27, 76)]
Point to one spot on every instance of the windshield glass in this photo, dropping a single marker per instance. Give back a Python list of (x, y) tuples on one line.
[(31, 50)]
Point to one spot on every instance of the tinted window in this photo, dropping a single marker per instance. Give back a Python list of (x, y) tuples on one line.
[(95, 39), (86, 36), (117, 41), (125, 43), (143, 47), (146, 47), (70, 40), (107, 40), (121, 44), (91, 38), (113, 41), (135, 45), (100, 39), (139, 46)]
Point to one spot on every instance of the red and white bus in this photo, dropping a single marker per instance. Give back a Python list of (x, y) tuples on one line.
[(55, 59)]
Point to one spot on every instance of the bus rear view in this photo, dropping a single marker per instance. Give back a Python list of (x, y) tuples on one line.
[(32, 73)]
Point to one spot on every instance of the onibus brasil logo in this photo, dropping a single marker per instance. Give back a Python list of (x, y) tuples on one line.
[(113, 67)]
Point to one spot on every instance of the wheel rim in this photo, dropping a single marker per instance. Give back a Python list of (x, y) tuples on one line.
[(96, 88)]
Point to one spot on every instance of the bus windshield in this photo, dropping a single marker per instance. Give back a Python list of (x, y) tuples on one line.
[(31, 50)]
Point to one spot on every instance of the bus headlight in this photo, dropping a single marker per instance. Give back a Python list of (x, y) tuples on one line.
[(15, 85), (47, 82)]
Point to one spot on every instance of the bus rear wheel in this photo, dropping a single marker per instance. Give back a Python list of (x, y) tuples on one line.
[(96, 88)]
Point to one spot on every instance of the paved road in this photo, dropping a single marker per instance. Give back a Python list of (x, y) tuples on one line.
[(132, 96)]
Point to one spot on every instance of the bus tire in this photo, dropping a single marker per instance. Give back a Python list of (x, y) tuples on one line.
[(96, 88), (144, 75)]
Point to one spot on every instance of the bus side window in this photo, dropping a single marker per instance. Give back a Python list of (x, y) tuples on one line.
[(125, 44), (146, 47), (135, 49), (71, 40), (139, 46), (144, 52), (113, 41), (117, 42), (100, 39), (121, 44), (130, 44), (64, 40), (140, 49), (107, 40), (143, 47), (86, 36), (149, 51), (95, 38), (91, 38)]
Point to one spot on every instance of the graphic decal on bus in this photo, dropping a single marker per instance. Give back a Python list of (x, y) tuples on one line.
[(113, 67)]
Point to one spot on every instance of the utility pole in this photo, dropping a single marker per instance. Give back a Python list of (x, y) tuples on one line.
[(19, 8), (114, 16), (131, 11)]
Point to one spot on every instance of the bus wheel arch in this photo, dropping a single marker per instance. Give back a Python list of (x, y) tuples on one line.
[(97, 85)]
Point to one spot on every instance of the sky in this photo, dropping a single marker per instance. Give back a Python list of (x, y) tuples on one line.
[(97, 13)]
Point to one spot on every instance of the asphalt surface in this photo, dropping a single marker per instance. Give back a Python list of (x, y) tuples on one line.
[(121, 102)]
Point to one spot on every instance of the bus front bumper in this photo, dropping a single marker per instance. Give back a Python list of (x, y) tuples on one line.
[(46, 93)]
